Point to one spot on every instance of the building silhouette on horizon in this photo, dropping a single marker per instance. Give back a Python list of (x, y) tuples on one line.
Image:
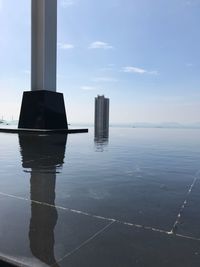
[(101, 120)]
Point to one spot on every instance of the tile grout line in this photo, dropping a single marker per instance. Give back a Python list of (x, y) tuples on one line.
[(85, 242), (149, 228), (187, 237), (175, 225)]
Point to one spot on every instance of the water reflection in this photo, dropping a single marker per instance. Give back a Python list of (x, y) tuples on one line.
[(101, 137), (44, 155)]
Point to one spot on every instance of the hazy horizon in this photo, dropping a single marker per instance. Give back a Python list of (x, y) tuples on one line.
[(167, 125)]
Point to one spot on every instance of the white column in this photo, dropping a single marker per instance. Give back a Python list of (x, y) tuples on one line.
[(44, 45)]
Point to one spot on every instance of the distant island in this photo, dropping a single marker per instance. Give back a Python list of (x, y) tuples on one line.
[(164, 125), (171, 125)]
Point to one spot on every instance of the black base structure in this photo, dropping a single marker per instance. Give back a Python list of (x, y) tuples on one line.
[(38, 131), (43, 110)]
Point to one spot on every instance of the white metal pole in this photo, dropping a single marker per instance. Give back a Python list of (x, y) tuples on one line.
[(43, 45)]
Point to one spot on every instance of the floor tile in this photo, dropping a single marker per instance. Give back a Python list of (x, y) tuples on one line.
[(125, 246), (190, 217), (151, 200), (39, 235)]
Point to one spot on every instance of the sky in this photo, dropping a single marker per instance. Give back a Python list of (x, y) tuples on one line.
[(142, 54)]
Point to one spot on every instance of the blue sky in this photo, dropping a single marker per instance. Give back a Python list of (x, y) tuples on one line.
[(142, 54)]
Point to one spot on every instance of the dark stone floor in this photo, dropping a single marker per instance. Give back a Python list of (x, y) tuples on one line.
[(132, 206), (40, 234)]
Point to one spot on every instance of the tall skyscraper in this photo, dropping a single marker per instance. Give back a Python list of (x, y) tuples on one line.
[(101, 117)]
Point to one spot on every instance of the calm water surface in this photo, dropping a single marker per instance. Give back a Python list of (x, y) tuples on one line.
[(142, 177)]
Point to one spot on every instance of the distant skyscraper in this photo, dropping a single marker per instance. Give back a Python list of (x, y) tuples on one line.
[(101, 117)]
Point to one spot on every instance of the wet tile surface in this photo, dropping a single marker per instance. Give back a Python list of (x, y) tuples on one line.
[(40, 235), (79, 186), (190, 217), (143, 201), (121, 246)]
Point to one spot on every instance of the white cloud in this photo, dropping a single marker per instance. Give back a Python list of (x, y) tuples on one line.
[(100, 45), (104, 79), (65, 46), (137, 70), (88, 88), (134, 70), (67, 3)]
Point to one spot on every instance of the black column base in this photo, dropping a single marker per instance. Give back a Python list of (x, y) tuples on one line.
[(42, 110)]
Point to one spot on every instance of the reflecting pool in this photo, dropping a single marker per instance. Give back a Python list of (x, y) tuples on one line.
[(130, 198)]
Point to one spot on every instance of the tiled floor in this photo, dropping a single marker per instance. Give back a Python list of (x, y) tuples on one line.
[(91, 212), (49, 235), (35, 234)]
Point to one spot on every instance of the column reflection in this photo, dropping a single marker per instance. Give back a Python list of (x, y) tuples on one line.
[(44, 155)]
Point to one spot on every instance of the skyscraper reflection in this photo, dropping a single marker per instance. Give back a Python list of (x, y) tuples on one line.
[(44, 155), (101, 137)]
